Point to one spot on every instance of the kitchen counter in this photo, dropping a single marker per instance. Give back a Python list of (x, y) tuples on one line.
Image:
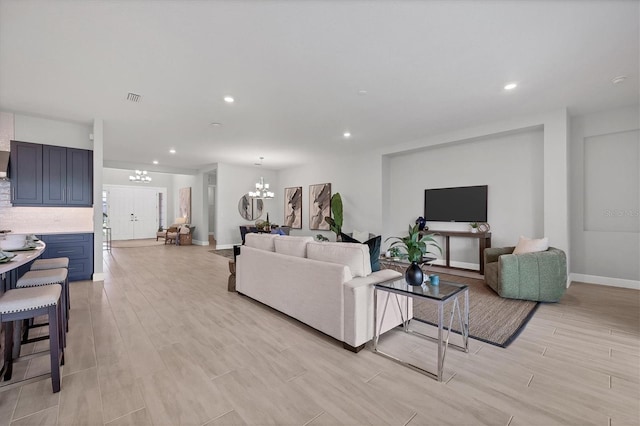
[(9, 270)]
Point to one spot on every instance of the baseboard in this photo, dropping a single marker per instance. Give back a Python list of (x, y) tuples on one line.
[(225, 246), (199, 243), (98, 276), (463, 265), (612, 282)]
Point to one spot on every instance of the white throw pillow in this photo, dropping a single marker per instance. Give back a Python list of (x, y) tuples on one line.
[(361, 236), (353, 255), (527, 245), (261, 241), (292, 246)]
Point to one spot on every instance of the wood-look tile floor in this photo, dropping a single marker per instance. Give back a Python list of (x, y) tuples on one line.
[(162, 342)]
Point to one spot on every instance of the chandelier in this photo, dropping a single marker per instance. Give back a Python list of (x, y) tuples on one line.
[(141, 176), (262, 190)]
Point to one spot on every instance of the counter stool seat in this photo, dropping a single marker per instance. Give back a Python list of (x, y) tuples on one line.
[(25, 303), (53, 263), (46, 277)]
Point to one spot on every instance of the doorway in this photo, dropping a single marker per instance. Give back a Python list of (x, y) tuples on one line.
[(133, 212)]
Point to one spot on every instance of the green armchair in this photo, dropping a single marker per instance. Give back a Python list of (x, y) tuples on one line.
[(540, 276)]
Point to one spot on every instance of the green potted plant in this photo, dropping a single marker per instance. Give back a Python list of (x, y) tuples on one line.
[(474, 226), (415, 247), (335, 222)]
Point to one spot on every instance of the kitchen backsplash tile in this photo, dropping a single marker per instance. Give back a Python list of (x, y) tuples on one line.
[(36, 220)]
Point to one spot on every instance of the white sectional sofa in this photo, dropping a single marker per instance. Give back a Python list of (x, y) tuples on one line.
[(328, 286)]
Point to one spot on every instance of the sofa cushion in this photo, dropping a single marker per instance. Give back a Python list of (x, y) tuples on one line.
[(527, 245), (374, 248), (261, 241), (292, 246), (353, 255)]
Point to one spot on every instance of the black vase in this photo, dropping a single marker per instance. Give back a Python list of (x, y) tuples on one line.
[(413, 275), (421, 222)]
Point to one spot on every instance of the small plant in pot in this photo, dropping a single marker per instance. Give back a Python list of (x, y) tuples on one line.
[(474, 226), (415, 247)]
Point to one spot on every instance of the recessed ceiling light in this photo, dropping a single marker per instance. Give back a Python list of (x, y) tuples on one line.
[(215, 124), (347, 134), (172, 151), (510, 86), (228, 99), (155, 161), (362, 92), (619, 79)]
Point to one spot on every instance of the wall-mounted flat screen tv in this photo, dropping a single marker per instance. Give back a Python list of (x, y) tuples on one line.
[(461, 204)]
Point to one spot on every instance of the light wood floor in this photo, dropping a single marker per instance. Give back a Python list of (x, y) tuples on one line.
[(162, 342)]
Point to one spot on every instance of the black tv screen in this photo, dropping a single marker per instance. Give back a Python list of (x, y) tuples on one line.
[(461, 204)]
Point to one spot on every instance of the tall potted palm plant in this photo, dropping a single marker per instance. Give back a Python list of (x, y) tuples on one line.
[(415, 247)]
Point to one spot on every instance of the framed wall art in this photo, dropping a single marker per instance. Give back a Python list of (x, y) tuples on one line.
[(319, 206), (293, 207)]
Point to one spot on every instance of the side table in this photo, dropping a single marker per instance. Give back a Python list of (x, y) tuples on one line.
[(231, 284), (446, 291)]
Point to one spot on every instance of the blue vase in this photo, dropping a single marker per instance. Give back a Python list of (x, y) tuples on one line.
[(421, 221), (413, 275)]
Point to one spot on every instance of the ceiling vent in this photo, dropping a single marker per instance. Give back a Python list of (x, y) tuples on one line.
[(133, 97)]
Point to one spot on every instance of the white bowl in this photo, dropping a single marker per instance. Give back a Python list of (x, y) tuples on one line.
[(11, 244)]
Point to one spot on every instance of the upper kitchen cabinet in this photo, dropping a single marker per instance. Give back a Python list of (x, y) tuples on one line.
[(48, 175), (26, 173)]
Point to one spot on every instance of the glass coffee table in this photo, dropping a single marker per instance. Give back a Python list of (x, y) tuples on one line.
[(446, 292)]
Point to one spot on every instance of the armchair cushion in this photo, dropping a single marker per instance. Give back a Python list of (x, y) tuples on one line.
[(527, 245), (539, 276)]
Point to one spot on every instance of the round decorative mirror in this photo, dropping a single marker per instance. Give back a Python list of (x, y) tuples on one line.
[(250, 208)]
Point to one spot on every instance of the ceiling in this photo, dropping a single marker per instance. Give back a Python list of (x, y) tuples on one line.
[(295, 70)]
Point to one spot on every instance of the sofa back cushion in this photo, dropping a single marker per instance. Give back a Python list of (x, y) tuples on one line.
[(292, 246), (353, 255), (261, 241), (373, 243)]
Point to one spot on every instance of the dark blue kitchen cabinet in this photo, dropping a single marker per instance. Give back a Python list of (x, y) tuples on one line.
[(79, 177), (77, 247), (48, 175), (54, 173), (26, 173)]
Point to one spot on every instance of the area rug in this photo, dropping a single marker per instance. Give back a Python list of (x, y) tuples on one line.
[(228, 253), (136, 243), (492, 319)]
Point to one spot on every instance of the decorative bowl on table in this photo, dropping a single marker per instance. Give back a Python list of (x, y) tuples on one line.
[(12, 243)]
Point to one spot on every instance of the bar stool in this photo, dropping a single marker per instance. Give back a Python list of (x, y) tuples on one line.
[(24, 303), (46, 277), (54, 263)]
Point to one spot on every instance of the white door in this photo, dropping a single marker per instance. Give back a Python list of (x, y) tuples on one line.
[(121, 214), (145, 219), (133, 212)]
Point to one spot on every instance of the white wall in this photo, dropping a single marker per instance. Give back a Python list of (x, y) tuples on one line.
[(510, 164), (358, 179), (232, 183), (605, 193), (195, 183), (52, 132)]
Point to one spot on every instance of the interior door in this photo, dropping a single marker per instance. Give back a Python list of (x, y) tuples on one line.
[(133, 212), (120, 211), (145, 219)]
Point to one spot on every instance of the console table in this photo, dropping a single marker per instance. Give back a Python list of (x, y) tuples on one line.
[(484, 239)]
